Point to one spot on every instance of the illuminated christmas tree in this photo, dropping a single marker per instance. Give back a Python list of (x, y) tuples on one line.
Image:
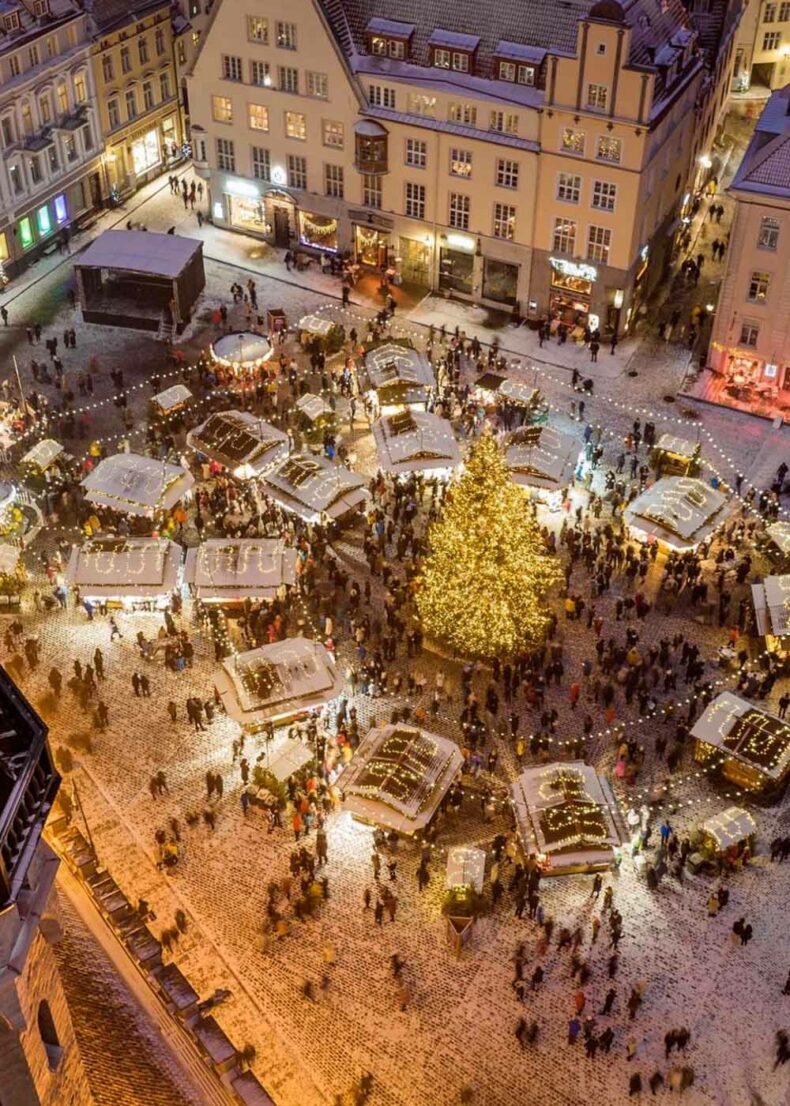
[(483, 588)]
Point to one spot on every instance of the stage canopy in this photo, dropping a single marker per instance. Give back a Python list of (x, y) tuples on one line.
[(139, 251), (567, 813), (118, 568), (399, 776), (222, 570), (136, 485), (239, 442), (415, 441), (278, 681), (314, 487)]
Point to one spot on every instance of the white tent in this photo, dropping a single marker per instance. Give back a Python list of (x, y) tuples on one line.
[(567, 813), (43, 454), (224, 570), (289, 757), (680, 511), (239, 442), (399, 776), (136, 485), (541, 457), (741, 732), (314, 487), (278, 681), (125, 568), (415, 441), (771, 599)]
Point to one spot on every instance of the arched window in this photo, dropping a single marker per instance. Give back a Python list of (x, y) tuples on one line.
[(49, 1034)]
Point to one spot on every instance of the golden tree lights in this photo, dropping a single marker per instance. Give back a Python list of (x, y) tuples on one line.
[(483, 588)]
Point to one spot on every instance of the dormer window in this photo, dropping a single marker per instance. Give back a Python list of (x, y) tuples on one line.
[(515, 73), (11, 21), (389, 38), (41, 8), (450, 50)]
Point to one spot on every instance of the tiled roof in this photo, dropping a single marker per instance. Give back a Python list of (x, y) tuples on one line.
[(546, 24), (765, 167)]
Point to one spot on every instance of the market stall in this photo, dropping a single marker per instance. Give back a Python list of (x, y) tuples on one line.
[(542, 459), (229, 572), (743, 744), (567, 817), (485, 389), (241, 351), (277, 682), (398, 777), (777, 544), (678, 511), (315, 419), (135, 485), (315, 489), (171, 402), (319, 332), (130, 573), (727, 837), (673, 456), (771, 598), (12, 578), (521, 402), (240, 442), (416, 441), (45, 465), (396, 375), (20, 517)]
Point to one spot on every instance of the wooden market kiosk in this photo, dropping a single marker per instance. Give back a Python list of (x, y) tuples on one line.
[(744, 744), (126, 573), (229, 572)]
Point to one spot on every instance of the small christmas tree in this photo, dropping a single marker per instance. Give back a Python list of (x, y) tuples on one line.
[(483, 588)]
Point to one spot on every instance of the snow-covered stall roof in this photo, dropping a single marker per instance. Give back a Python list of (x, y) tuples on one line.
[(172, 397), (43, 453), (730, 827), (515, 391), (225, 570), (779, 533), (240, 442), (278, 680), (771, 599), (678, 510), (567, 812), (114, 568), (9, 558), (398, 776), (541, 457), (136, 485), (313, 406), (140, 251), (316, 324), (681, 447), (398, 372), (415, 441), (313, 486), (747, 733)]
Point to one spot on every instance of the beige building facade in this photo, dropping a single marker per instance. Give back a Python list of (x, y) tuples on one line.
[(750, 346), (763, 46), (540, 176)]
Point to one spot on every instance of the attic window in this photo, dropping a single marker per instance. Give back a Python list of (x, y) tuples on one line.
[(11, 21), (516, 74), (41, 8), (459, 60), (383, 47)]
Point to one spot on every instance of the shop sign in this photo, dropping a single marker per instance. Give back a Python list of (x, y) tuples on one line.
[(461, 242), (242, 188), (574, 268), (279, 176)]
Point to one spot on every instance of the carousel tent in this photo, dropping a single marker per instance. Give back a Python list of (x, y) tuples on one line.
[(398, 373), (567, 813), (125, 568), (541, 457), (278, 681), (680, 511), (415, 441), (314, 487), (222, 570), (399, 776), (771, 599), (750, 746), (43, 454), (239, 442), (136, 485)]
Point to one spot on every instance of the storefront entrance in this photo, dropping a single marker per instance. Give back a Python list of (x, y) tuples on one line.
[(500, 282), (282, 230), (415, 262), (570, 292), (371, 246), (318, 231), (456, 271), (247, 214)]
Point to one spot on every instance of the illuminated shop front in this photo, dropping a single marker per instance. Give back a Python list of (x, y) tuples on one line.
[(371, 246), (571, 290), (248, 214), (319, 232), (146, 152)]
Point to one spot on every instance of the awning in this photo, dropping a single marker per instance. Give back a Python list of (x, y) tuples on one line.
[(370, 129)]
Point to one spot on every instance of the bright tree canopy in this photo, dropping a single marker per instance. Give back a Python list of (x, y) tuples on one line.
[(483, 588)]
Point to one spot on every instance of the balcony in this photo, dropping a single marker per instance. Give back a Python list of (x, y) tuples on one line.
[(370, 147)]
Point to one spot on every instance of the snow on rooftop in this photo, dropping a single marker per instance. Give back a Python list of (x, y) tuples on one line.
[(415, 441), (312, 486), (112, 567), (241, 442), (748, 733), (140, 251), (678, 510), (244, 568), (136, 485), (541, 457)]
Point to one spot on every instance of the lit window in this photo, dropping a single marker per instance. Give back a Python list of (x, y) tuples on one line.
[(504, 221), (597, 96), (295, 125), (333, 133), (459, 211), (609, 149), (25, 233), (504, 122), (258, 29), (569, 188), (463, 113), (460, 163), (387, 48), (258, 117), (221, 109), (63, 99), (564, 235), (80, 90), (61, 211), (758, 286), (599, 240), (420, 104), (43, 222), (317, 85), (573, 141), (769, 233), (45, 110)]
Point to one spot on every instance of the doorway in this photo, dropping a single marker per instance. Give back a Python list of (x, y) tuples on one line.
[(282, 227)]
